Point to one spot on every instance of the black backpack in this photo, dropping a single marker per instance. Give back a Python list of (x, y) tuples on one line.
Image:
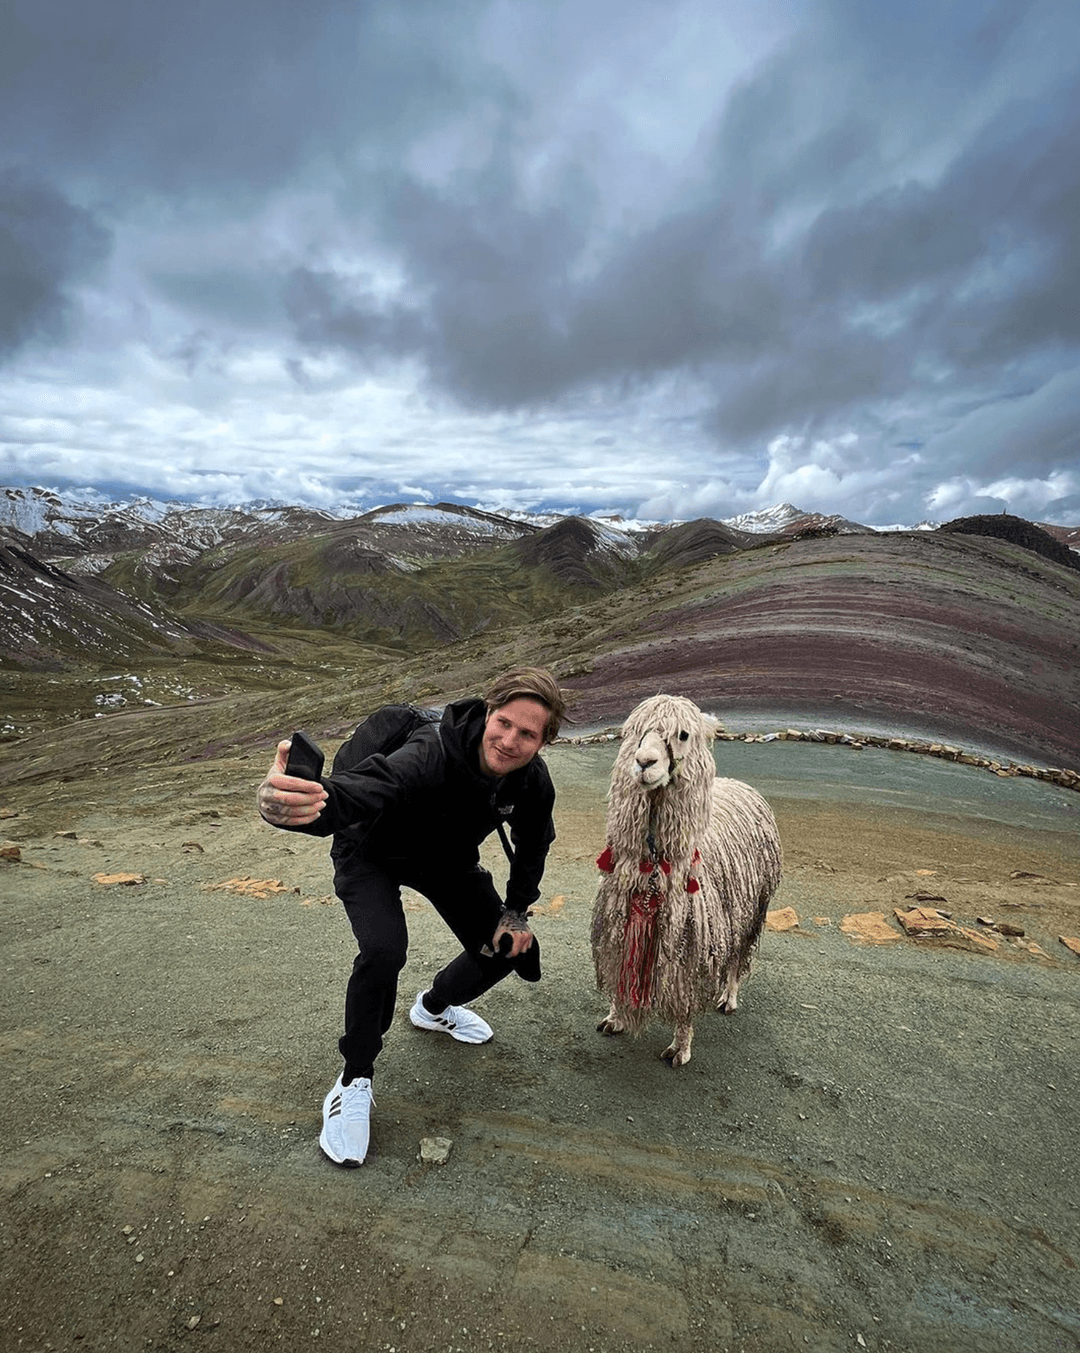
[(384, 731)]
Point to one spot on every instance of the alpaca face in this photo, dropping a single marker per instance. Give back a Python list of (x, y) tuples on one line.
[(654, 761), (659, 736)]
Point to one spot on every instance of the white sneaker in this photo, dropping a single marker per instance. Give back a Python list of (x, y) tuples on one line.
[(346, 1114), (456, 1020)]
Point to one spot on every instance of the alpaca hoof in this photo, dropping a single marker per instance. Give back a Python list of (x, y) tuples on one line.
[(675, 1056), (609, 1027)]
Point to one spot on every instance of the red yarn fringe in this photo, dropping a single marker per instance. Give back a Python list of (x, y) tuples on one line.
[(640, 943)]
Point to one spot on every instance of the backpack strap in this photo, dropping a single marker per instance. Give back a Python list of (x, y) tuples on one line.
[(507, 847)]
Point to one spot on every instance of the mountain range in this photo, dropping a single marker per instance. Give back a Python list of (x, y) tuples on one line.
[(970, 627)]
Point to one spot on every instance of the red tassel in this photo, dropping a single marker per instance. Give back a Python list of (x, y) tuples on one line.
[(606, 861), (692, 885), (665, 865), (697, 857), (645, 866), (640, 941)]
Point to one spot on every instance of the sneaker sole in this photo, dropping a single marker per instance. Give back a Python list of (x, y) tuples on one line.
[(347, 1164), (442, 1029)]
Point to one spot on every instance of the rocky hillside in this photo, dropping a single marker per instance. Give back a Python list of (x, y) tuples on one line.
[(969, 637), (1003, 526), (50, 615), (398, 579), (976, 635)]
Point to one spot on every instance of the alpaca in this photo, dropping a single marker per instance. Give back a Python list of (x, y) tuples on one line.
[(691, 863)]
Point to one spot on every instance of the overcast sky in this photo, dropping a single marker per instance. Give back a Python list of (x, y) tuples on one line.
[(671, 258)]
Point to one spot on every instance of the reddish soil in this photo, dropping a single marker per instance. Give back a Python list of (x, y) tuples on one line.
[(946, 633)]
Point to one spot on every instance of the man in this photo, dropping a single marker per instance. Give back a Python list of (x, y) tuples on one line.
[(416, 817)]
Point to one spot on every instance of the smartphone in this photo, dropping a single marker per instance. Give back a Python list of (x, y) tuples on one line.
[(305, 758)]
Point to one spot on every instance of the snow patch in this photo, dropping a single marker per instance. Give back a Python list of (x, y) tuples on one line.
[(765, 520), (417, 515), (614, 539)]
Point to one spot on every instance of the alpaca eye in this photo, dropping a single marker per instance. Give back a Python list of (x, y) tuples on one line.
[(684, 735)]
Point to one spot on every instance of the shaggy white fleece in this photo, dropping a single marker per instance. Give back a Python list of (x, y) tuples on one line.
[(691, 863)]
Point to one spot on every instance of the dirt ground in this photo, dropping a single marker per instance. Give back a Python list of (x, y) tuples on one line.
[(879, 1150)]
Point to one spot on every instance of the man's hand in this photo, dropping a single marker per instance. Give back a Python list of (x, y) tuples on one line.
[(516, 925), (286, 800)]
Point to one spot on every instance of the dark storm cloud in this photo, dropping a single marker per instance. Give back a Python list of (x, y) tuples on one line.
[(800, 239), (963, 279), (1024, 181), (224, 98), (46, 243), (511, 301), (327, 312), (487, 280), (805, 277), (907, 240), (933, 276), (495, 274), (513, 317)]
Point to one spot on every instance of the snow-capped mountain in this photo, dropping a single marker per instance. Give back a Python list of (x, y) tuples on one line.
[(90, 518), (785, 519)]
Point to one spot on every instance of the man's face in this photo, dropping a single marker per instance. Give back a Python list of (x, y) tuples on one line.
[(513, 734)]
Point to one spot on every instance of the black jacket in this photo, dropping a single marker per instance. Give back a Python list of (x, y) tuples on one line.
[(426, 807)]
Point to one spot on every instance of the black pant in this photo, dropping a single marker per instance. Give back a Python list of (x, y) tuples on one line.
[(470, 906)]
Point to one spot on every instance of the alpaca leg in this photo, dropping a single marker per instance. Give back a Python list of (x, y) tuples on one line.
[(678, 1054), (729, 996), (611, 1023)]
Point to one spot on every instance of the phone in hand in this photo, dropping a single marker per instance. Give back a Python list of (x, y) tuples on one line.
[(305, 758)]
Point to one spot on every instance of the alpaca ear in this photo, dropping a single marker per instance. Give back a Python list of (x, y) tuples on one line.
[(713, 725)]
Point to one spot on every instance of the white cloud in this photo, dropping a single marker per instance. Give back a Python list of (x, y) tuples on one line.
[(964, 496)]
